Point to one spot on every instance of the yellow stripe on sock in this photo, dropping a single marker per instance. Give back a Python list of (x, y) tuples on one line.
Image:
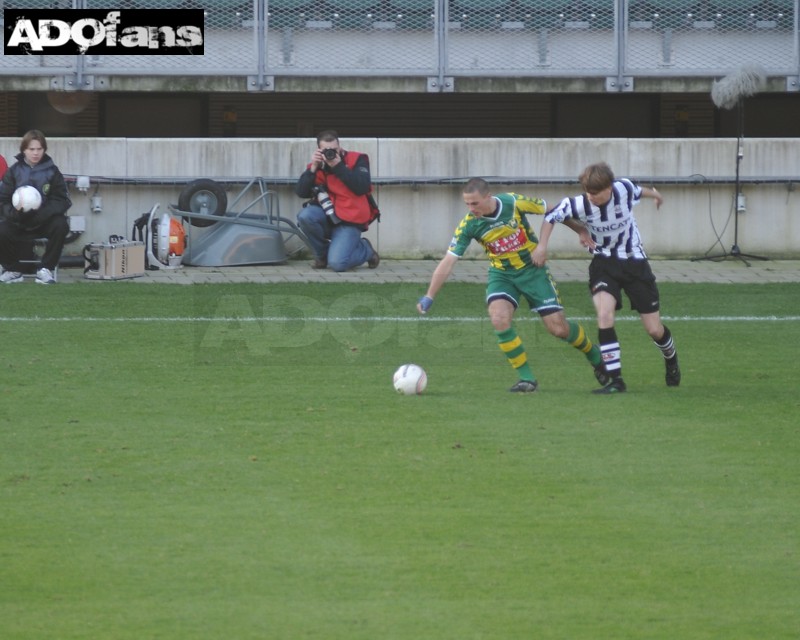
[(581, 342), (518, 361), (511, 345)]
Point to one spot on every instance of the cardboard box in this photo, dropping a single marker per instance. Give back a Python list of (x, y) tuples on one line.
[(113, 261)]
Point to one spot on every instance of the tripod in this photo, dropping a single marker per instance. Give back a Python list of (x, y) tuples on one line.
[(735, 251)]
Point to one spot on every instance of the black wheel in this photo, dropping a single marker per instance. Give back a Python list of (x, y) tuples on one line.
[(203, 196)]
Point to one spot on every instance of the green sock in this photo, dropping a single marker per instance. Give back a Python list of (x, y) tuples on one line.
[(511, 345), (579, 339)]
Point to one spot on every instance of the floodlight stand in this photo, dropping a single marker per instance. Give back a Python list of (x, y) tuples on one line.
[(735, 251)]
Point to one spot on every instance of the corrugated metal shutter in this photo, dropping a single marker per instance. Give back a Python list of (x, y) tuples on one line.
[(687, 116), (385, 115)]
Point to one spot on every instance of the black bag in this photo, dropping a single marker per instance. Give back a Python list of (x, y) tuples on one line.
[(139, 234)]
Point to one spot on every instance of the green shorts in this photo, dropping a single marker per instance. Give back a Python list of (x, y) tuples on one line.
[(535, 284)]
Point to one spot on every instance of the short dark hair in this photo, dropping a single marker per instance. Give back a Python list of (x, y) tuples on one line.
[(477, 185), (33, 134), (329, 135)]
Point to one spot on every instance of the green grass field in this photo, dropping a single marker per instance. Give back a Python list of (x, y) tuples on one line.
[(174, 466)]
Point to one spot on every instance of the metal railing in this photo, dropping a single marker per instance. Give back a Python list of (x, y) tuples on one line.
[(443, 40)]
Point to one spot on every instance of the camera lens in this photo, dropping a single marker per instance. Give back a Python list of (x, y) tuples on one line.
[(329, 154)]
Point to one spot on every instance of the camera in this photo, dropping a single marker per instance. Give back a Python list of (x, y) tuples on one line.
[(324, 200), (330, 154)]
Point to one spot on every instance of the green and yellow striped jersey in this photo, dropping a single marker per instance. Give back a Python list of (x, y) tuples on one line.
[(505, 236)]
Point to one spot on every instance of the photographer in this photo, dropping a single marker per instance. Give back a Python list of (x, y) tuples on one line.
[(340, 207)]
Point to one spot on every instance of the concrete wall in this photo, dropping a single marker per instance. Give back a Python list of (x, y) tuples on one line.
[(422, 209)]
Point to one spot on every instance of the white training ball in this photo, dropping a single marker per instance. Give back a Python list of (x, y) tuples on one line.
[(27, 198), (410, 379)]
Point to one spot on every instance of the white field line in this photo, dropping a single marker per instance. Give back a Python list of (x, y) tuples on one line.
[(195, 319)]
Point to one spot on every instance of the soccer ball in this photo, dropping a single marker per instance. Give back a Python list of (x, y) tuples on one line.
[(410, 379), (27, 198)]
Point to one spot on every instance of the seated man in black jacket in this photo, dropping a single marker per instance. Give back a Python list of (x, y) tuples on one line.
[(33, 168)]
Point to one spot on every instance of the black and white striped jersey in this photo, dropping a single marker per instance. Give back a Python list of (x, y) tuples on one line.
[(611, 225)]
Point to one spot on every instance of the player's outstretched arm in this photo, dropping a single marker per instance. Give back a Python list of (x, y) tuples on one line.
[(584, 237), (539, 255), (440, 275), (652, 192)]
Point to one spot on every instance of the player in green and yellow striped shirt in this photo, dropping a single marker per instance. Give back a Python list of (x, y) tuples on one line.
[(499, 225)]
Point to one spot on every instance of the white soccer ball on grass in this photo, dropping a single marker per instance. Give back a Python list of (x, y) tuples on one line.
[(410, 379), (26, 198)]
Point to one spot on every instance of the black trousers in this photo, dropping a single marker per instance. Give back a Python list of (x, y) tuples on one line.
[(13, 238)]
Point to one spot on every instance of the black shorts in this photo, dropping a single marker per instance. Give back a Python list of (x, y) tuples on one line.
[(634, 277)]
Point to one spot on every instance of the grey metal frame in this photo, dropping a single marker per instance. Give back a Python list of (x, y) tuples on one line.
[(444, 41), (261, 210)]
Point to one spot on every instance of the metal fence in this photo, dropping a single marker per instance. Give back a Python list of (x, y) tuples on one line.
[(443, 40)]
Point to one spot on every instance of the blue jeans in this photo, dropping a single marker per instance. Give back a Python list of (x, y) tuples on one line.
[(341, 243)]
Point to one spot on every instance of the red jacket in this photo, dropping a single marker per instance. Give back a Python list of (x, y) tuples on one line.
[(348, 206), (3, 167)]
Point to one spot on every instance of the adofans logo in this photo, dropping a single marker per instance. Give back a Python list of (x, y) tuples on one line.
[(81, 31)]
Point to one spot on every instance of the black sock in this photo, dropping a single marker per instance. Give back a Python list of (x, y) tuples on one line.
[(667, 346), (609, 348)]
